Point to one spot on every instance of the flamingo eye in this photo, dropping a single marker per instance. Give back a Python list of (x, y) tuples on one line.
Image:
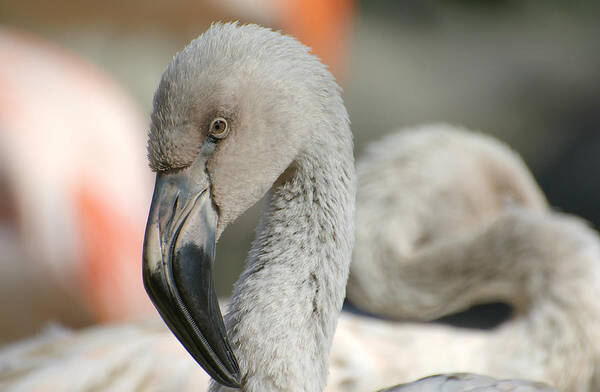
[(218, 128)]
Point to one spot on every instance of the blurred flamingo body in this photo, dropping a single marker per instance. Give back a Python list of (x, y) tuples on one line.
[(78, 225), (448, 219)]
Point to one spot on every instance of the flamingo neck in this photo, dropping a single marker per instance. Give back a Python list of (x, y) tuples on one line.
[(285, 305)]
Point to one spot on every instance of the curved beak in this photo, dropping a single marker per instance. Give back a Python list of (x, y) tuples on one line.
[(179, 249)]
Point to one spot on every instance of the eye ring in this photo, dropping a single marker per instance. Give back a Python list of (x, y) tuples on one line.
[(218, 128)]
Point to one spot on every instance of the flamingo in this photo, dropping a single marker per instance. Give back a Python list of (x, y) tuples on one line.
[(76, 235), (240, 112)]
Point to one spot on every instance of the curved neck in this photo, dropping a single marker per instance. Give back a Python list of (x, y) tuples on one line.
[(286, 303), (525, 258)]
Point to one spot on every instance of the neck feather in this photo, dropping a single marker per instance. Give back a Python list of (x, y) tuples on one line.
[(285, 306)]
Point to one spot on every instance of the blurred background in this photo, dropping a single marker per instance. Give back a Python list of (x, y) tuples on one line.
[(76, 85)]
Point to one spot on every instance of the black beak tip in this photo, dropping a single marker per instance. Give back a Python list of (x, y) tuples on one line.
[(214, 355)]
